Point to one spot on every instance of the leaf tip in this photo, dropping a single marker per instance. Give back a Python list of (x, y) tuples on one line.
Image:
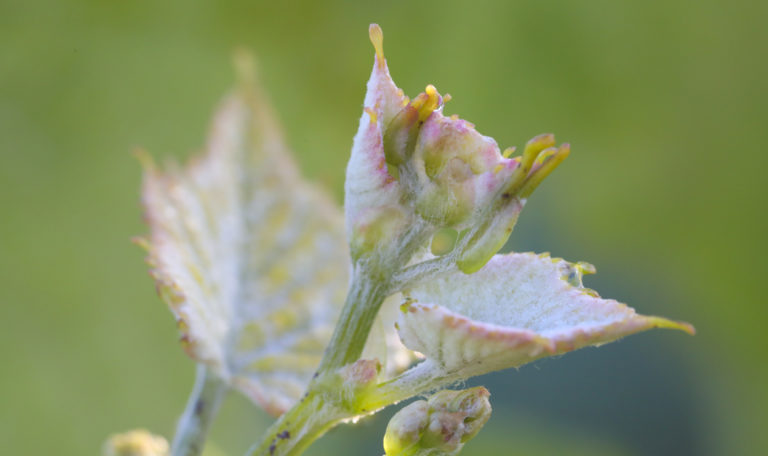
[(660, 322), (141, 241), (145, 159), (245, 66), (377, 39)]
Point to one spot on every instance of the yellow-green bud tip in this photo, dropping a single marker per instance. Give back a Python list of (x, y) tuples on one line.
[(426, 102), (377, 39), (245, 66)]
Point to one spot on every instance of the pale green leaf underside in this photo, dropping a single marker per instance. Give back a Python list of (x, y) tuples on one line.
[(518, 308), (252, 260)]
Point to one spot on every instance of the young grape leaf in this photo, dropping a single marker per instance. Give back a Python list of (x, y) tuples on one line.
[(516, 309), (251, 259)]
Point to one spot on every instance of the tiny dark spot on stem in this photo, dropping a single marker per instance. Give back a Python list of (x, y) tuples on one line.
[(284, 435), (199, 407), (272, 447), (506, 195), (315, 374)]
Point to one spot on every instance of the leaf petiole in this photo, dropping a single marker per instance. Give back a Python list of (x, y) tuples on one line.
[(202, 406)]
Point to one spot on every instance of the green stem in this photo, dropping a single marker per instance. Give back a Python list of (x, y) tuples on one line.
[(371, 284), (296, 429), (366, 294), (321, 408), (419, 379), (323, 405), (202, 405)]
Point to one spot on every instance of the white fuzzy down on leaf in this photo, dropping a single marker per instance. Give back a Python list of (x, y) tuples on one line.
[(368, 185), (517, 308)]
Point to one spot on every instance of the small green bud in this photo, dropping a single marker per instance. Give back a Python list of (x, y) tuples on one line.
[(538, 160), (440, 425), (375, 229), (400, 134), (352, 382), (490, 237)]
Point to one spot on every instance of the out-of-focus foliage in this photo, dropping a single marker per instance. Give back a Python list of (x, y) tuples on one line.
[(664, 104), (250, 259), (135, 443)]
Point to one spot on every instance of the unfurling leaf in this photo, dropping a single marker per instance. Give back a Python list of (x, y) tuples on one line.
[(414, 172), (516, 309)]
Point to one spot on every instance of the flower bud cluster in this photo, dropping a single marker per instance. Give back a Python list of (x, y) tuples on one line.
[(414, 168)]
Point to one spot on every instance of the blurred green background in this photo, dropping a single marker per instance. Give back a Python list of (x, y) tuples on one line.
[(664, 103)]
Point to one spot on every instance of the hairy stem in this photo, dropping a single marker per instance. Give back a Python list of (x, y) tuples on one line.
[(323, 406), (202, 405), (371, 284), (296, 429), (419, 379), (320, 409), (366, 294)]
